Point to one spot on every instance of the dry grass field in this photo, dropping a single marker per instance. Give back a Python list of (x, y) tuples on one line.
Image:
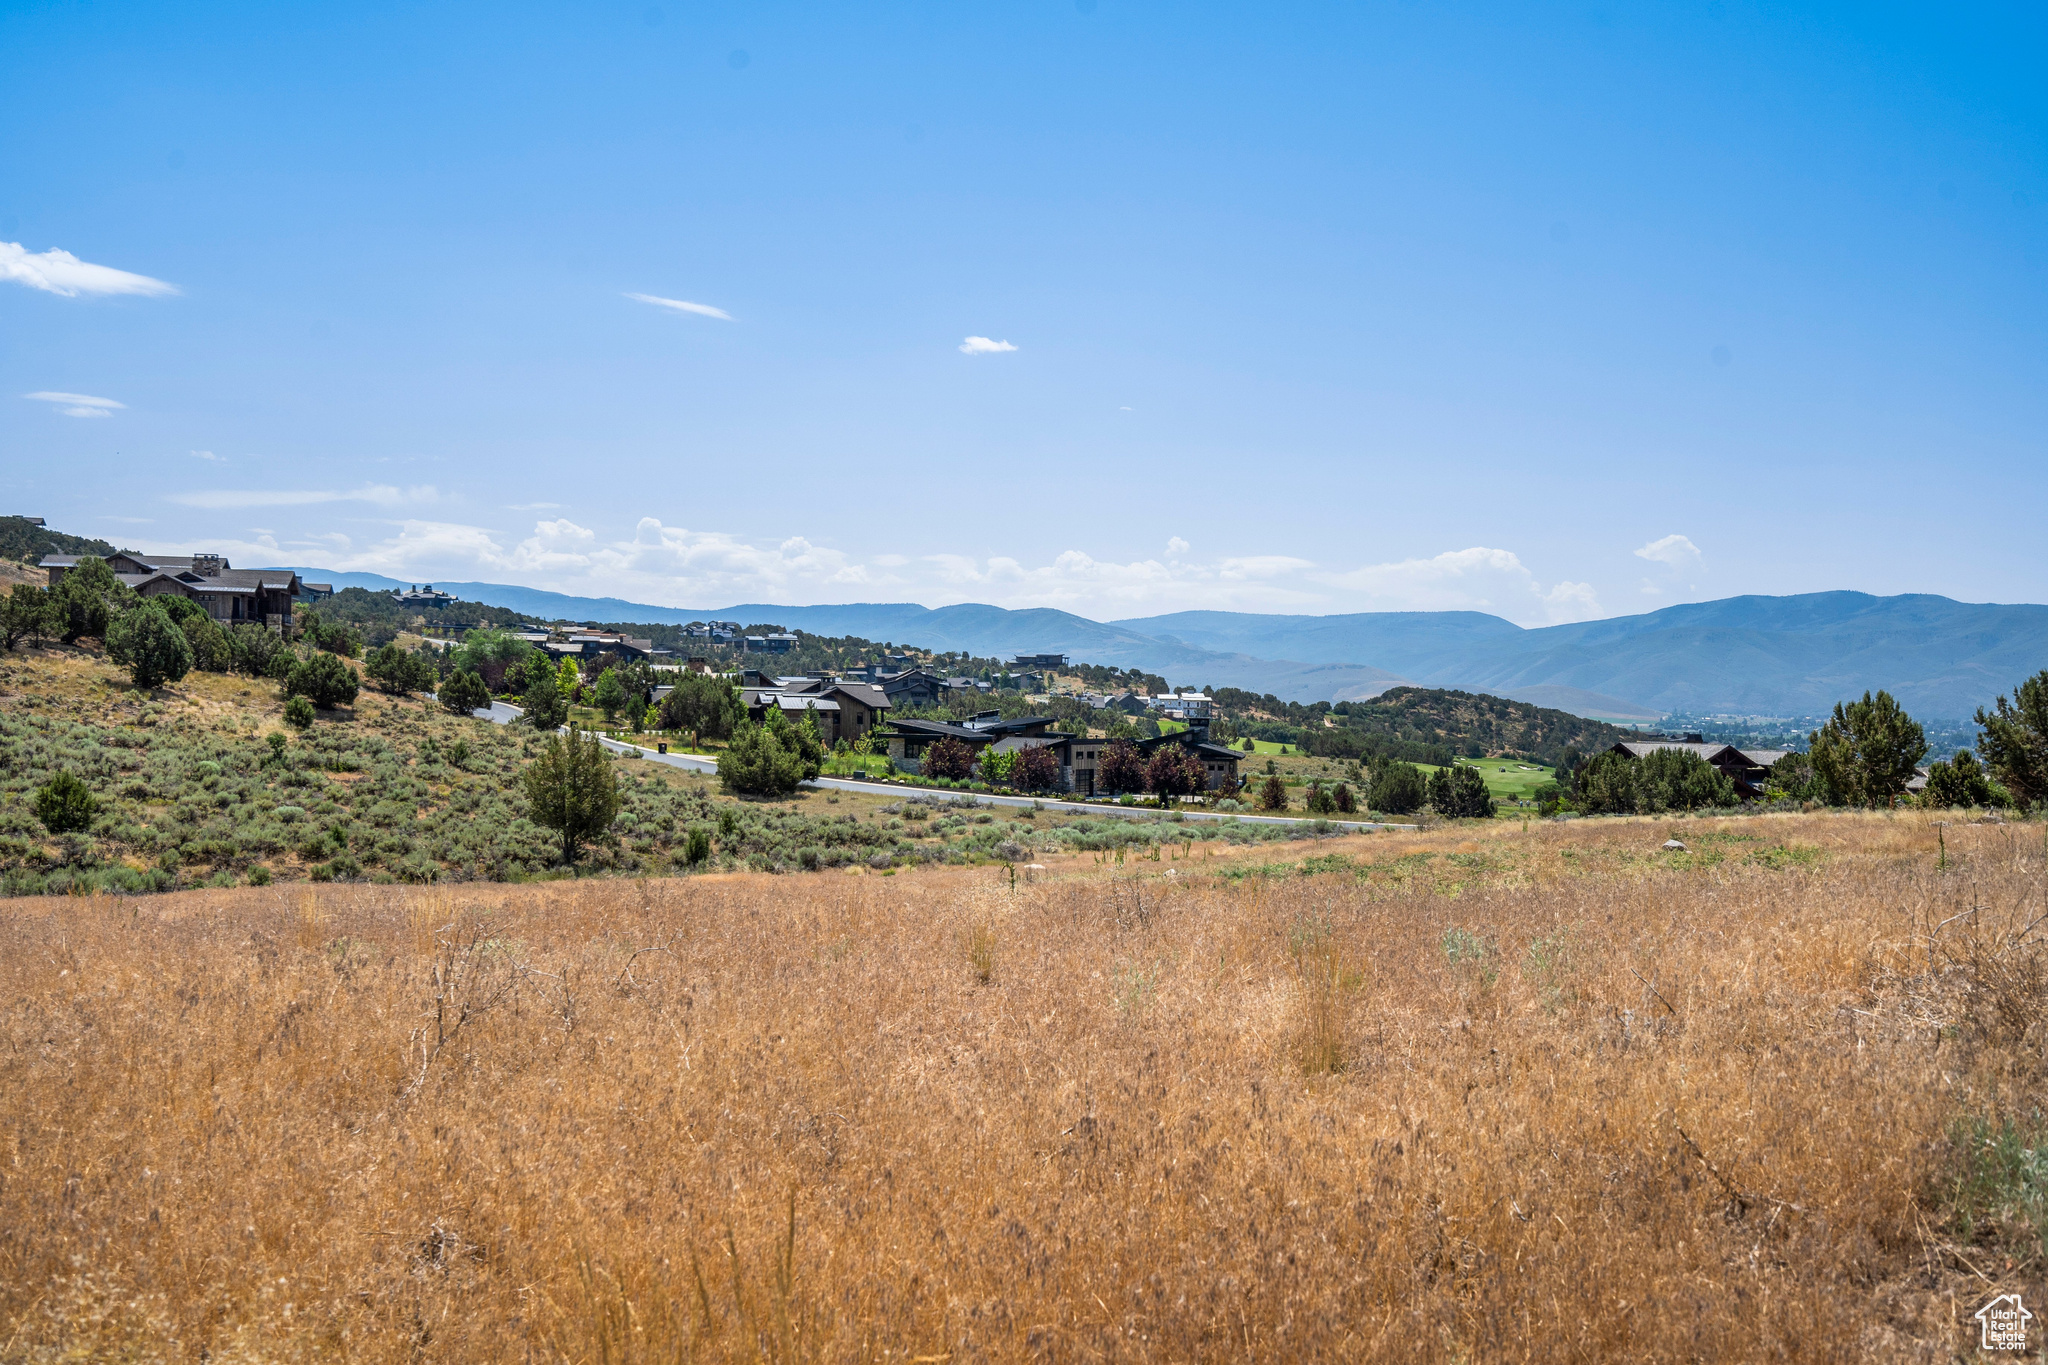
[(1545, 1094)]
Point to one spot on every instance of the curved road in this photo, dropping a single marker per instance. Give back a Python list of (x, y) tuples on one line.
[(504, 713)]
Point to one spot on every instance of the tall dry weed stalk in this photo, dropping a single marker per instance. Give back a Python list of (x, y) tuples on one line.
[(1771, 1103)]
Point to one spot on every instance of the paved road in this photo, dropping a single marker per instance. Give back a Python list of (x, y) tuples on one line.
[(503, 713)]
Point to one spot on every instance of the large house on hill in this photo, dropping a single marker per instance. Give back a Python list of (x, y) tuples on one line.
[(227, 594)]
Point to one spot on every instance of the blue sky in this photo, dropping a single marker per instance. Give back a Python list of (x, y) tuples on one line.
[(1552, 311)]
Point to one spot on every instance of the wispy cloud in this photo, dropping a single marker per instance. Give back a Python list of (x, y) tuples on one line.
[(60, 272), (708, 569), (77, 404), (209, 455), (534, 507), (381, 495), (984, 346), (1675, 550), (683, 306)]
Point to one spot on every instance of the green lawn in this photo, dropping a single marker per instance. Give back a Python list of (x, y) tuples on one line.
[(1506, 779)]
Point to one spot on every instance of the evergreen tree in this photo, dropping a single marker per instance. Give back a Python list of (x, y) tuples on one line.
[(1459, 793), (27, 613), (464, 692), (546, 708), (1867, 752), (89, 599), (1397, 789), (1960, 781), (762, 760), (2015, 741), (149, 644), (1663, 779), (324, 680), (702, 706), (65, 805), (571, 789)]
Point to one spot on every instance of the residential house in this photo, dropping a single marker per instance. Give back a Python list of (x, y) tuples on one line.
[(429, 596), (1219, 762), (1123, 703), (1748, 769), (1038, 663), (912, 687), (227, 594), (843, 710), (1185, 706), (1080, 759), (315, 592), (779, 643)]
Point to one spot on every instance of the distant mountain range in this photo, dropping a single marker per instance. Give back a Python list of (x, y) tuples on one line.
[(1748, 655)]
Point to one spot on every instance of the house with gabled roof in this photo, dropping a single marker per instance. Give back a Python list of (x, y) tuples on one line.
[(227, 594), (1748, 769)]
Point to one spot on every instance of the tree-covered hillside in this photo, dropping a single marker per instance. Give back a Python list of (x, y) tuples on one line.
[(23, 540), (1422, 724)]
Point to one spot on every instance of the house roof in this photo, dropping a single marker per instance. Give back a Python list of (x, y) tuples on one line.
[(178, 569), (1710, 752), (938, 729)]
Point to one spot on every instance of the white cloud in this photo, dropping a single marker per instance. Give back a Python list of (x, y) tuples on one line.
[(984, 346), (381, 495), (1675, 550), (709, 569), (60, 272), (533, 507), (683, 306), (1176, 546), (77, 404), (209, 455), (1476, 579)]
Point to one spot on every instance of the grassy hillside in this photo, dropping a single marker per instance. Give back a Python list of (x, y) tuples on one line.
[(192, 793), (1471, 1095)]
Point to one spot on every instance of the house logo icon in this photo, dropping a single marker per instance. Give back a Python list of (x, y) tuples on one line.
[(2004, 1321)]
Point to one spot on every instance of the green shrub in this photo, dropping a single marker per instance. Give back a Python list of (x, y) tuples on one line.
[(324, 680), (149, 644), (464, 692), (298, 712), (65, 805)]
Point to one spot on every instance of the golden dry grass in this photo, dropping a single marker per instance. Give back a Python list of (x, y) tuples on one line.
[(1649, 1108)]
